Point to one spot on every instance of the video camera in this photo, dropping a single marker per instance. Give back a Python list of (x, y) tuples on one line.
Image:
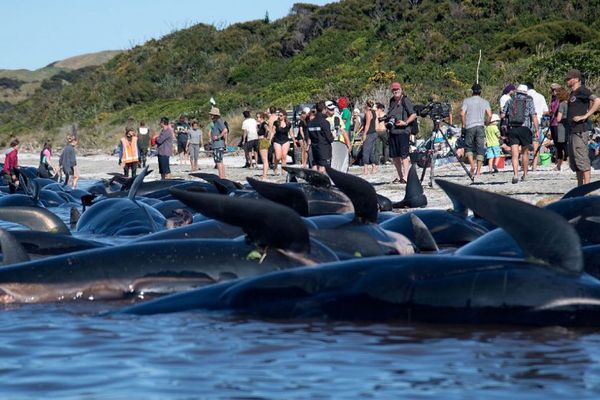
[(435, 110), (390, 121)]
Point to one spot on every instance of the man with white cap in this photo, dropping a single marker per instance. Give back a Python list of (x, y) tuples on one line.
[(340, 148), (218, 135), (582, 104), (522, 123)]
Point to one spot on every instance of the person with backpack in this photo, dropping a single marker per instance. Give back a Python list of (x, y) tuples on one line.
[(522, 123), (402, 113), (582, 104), (475, 112)]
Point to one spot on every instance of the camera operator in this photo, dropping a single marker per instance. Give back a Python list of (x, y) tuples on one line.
[(400, 115)]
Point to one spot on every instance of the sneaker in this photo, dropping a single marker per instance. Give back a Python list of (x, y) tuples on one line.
[(495, 169), (523, 178), (515, 179)]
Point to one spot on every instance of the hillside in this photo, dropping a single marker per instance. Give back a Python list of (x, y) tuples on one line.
[(347, 48), (18, 85), (86, 60)]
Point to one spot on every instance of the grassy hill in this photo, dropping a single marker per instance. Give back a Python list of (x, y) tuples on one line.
[(351, 48)]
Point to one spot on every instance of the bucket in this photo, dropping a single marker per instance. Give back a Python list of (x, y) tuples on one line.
[(500, 162), (545, 159)]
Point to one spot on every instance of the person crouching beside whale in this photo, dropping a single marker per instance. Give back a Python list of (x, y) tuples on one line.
[(68, 162), (129, 152), (10, 170)]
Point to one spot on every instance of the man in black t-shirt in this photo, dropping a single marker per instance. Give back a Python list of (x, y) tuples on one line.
[(404, 114), (582, 104), (319, 133)]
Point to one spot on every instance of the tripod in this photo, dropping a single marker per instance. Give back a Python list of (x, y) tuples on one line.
[(431, 155)]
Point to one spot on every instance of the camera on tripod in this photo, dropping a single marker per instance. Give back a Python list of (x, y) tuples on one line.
[(390, 121), (435, 110)]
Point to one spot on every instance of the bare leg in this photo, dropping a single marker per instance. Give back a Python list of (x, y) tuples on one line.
[(221, 169), (514, 150), (525, 160), (479, 163), (264, 156), (405, 167), (284, 151), (398, 164)]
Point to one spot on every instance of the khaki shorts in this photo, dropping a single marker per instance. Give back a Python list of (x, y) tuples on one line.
[(579, 158)]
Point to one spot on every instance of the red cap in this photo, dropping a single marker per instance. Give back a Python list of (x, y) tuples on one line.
[(396, 85), (343, 102)]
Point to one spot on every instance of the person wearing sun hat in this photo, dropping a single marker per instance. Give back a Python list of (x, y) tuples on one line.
[(582, 104), (492, 142), (218, 135), (522, 122)]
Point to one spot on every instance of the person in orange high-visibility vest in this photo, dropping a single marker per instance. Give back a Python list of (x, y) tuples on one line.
[(129, 152)]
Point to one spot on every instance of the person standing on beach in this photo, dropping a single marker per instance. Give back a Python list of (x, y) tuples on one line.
[(10, 169), (129, 152), (559, 136), (522, 122), (541, 109), (218, 134), (195, 141), (45, 168), (164, 143), (492, 143), (181, 129), (582, 104), (370, 157), (320, 135), (263, 142), (475, 112), (249, 140), (144, 142), (403, 114), (68, 162)]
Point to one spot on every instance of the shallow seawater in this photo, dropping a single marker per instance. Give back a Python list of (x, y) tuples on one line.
[(68, 351), (74, 351)]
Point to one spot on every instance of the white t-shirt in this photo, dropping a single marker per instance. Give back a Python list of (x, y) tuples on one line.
[(249, 126), (503, 99), (539, 103)]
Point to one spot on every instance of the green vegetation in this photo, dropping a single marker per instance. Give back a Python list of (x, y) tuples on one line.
[(349, 48)]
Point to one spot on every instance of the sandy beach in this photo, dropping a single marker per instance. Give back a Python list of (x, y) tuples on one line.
[(544, 184)]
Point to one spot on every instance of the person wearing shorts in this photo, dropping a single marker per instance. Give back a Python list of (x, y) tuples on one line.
[(194, 143), (475, 112), (521, 135), (402, 110), (582, 104), (218, 133)]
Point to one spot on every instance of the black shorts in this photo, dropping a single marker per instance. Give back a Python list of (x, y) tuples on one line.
[(181, 147), (521, 135), (399, 144), (321, 155), (163, 165), (251, 145)]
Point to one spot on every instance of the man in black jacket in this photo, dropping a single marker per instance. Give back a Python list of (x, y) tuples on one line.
[(320, 136)]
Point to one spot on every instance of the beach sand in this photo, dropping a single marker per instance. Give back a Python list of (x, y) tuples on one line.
[(543, 185)]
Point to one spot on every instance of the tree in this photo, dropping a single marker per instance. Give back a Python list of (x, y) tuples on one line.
[(267, 20)]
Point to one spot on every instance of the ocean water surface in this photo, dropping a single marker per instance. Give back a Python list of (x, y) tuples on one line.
[(69, 351)]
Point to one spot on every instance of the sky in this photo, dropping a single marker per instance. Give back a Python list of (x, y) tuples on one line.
[(35, 33)]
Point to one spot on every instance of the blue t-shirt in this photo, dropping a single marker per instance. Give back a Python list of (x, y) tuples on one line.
[(216, 129)]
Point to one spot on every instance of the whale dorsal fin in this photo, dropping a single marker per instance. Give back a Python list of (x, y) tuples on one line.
[(314, 178), (12, 250), (265, 222), (361, 193), (137, 182), (414, 196), (287, 195), (423, 238), (582, 190), (542, 234)]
